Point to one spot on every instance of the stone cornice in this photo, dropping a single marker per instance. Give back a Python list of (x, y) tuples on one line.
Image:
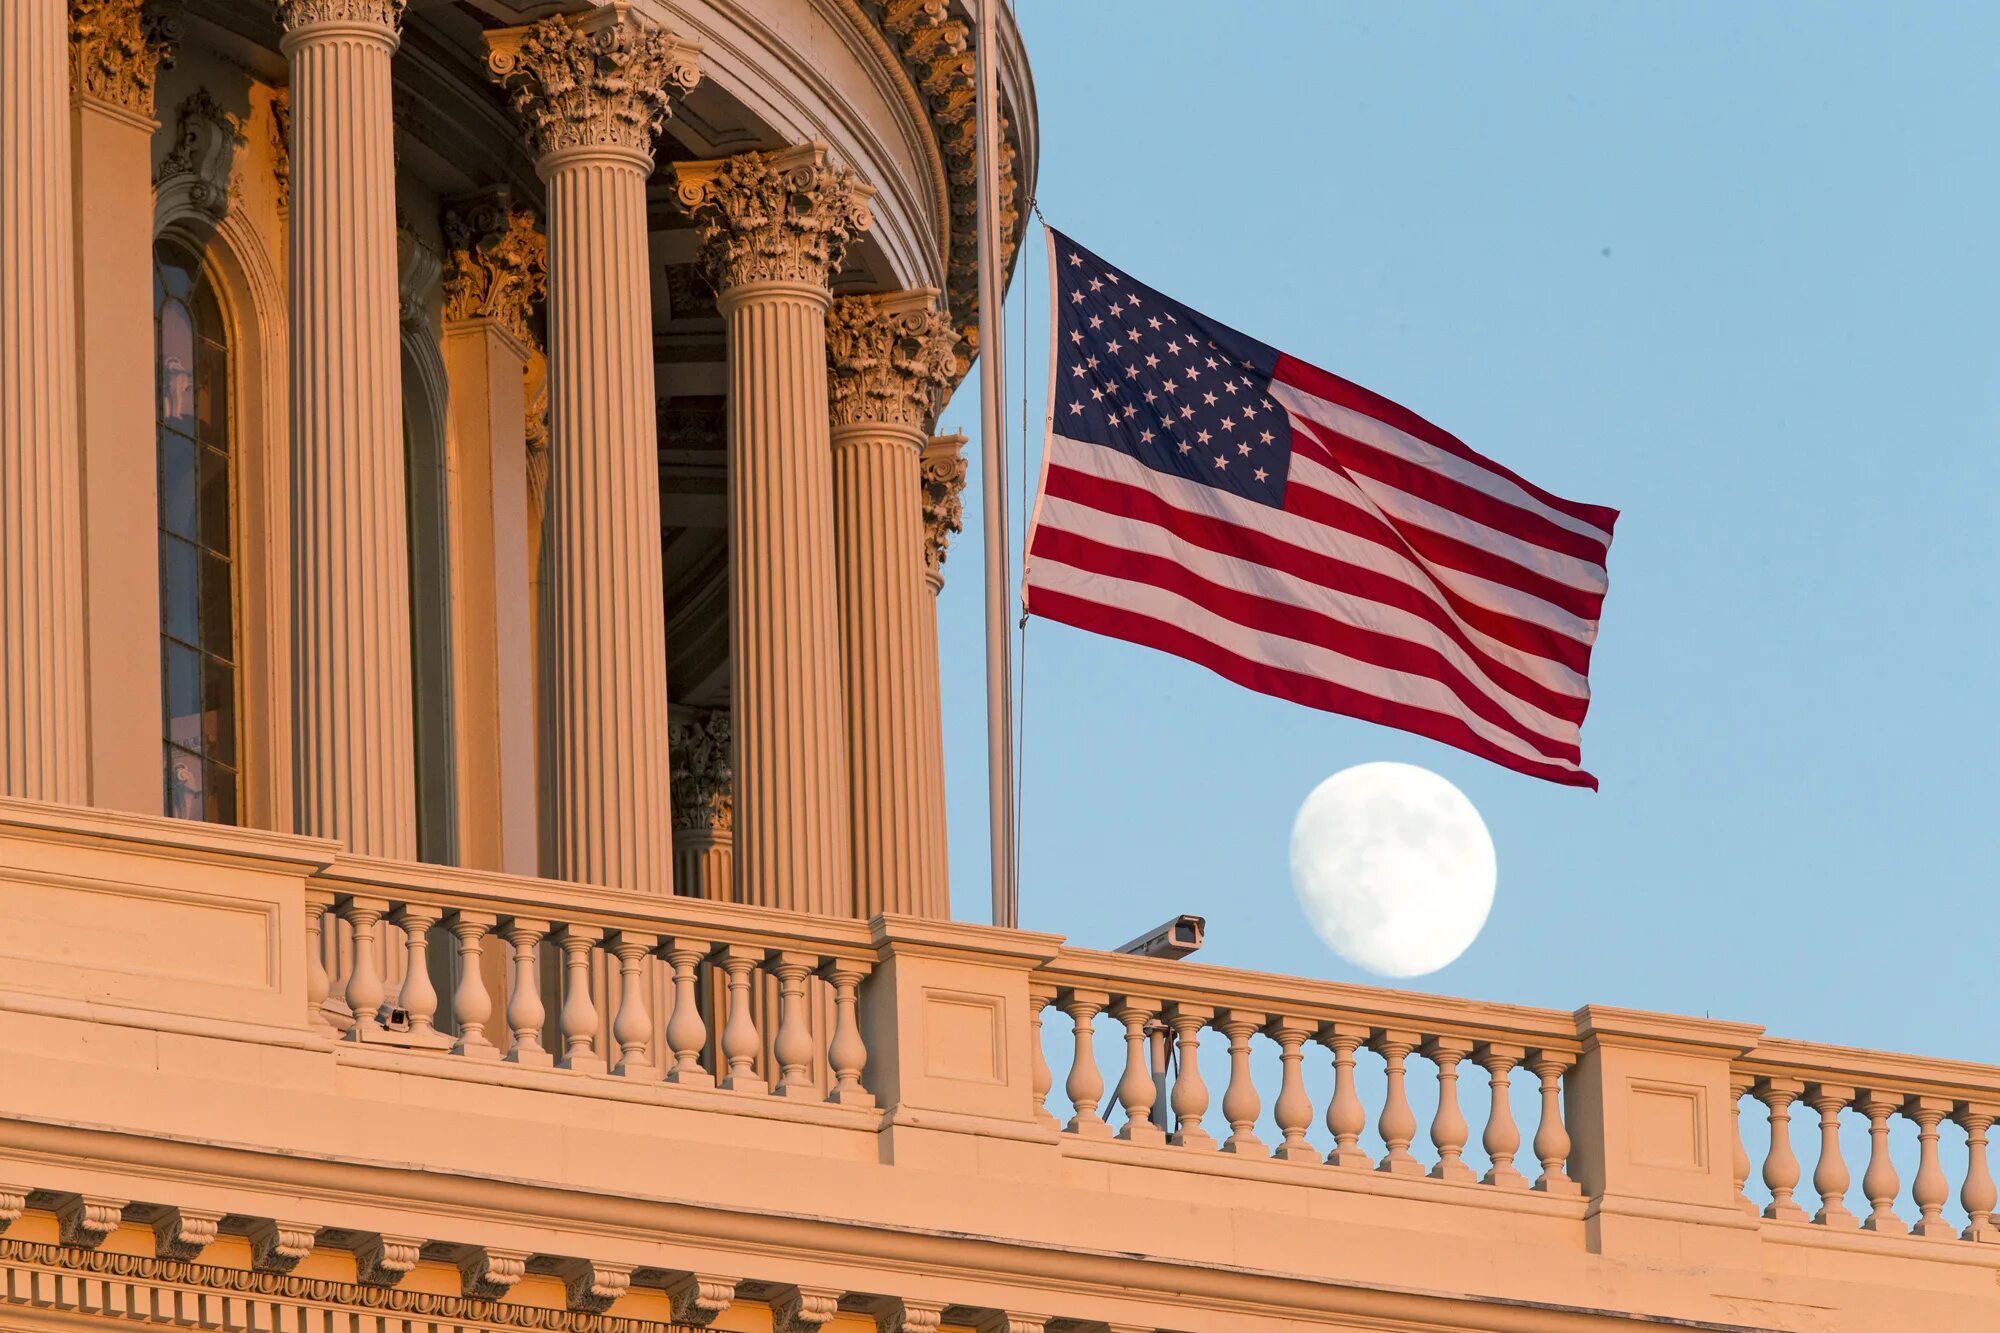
[(786, 216), (116, 48), (944, 508), (704, 785), (605, 78), (889, 358), (495, 264)]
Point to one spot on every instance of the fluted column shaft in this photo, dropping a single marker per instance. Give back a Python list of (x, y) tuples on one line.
[(898, 805), (353, 736), (42, 713), (605, 611)]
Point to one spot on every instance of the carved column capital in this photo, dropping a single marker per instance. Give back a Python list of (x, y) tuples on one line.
[(704, 785), (116, 48), (605, 78), (786, 216), (496, 264), (889, 358), (944, 507), (297, 15)]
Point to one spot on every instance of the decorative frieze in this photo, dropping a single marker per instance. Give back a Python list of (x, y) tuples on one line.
[(605, 78), (786, 216), (496, 265), (296, 14), (944, 507), (889, 358), (703, 783), (116, 48), (205, 142)]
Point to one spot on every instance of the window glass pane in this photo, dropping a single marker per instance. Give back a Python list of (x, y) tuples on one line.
[(183, 784), (211, 391), (176, 368), (179, 589), (218, 607), (174, 273), (218, 701), (177, 485), (183, 696), (215, 531), (219, 794)]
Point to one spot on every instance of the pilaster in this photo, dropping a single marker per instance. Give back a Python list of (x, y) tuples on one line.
[(591, 90), (353, 728), (774, 228), (889, 361)]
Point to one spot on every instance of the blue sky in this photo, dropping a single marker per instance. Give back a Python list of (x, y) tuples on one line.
[(1729, 268)]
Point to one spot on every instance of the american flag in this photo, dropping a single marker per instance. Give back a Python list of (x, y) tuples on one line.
[(1209, 496)]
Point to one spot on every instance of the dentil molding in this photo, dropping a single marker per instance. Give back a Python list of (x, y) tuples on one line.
[(605, 78), (786, 216), (890, 359)]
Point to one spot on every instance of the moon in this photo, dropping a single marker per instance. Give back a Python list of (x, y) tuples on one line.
[(1394, 868)]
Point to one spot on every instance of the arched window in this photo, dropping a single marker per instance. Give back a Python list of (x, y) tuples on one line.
[(197, 486)]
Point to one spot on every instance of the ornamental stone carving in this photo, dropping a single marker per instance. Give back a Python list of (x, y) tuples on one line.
[(944, 507), (278, 1246), (489, 1274), (281, 145), (86, 1219), (182, 1233), (205, 142), (496, 264), (602, 79), (803, 1309), (704, 785), (773, 217), (116, 48), (699, 1297), (383, 1261), (889, 358), (297, 14)]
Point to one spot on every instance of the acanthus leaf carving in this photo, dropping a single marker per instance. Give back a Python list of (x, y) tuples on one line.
[(944, 507), (698, 1298), (281, 144), (383, 1261), (889, 358), (116, 49), (182, 1233), (205, 142), (704, 784), (297, 14), (496, 266), (605, 78), (486, 1273), (592, 1287), (86, 1219), (803, 1309), (786, 216), (277, 1246)]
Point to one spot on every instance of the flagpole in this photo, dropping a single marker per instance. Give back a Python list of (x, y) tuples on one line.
[(993, 474)]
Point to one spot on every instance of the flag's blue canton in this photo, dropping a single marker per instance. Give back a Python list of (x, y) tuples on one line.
[(1145, 375)]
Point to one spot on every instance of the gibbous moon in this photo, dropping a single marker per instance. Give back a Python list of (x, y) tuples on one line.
[(1394, 867)]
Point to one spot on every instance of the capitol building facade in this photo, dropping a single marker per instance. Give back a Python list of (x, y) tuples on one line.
[(472, 837)]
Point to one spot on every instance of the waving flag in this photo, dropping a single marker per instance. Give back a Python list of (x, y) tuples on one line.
[(1209, 496)]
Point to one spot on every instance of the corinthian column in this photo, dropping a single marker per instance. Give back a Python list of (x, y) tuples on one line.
[(888, 359), (592, 90), (42, 713), (704, 805), (353, 738), (774, 228)]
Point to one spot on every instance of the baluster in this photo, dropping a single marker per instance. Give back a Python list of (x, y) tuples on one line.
[(418, 999), (525, 1011), (1448, 1128), (1781, 1164), (1739, 1158), (1039, 999), (1398, 1124), (577, 1022), (847, 1054), (1830, 1174), (1929, 1189), (1551, 1135), (1978, 1194), (1345, 1116), (1293, 1111), (364, 979), (1240, 1102), (1190, 1096), (1085, 1085), (1502, 1138), (792, 1047), (632, 1029), (1136, 1089), (318, 903), (471, 1006), (687, 1031), (740, 1038), (1880, 1182)]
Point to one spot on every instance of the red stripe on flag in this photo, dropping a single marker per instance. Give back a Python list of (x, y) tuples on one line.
[(1297, 687)]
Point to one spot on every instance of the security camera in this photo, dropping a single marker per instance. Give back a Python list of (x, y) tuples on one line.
[(1175, 938)]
